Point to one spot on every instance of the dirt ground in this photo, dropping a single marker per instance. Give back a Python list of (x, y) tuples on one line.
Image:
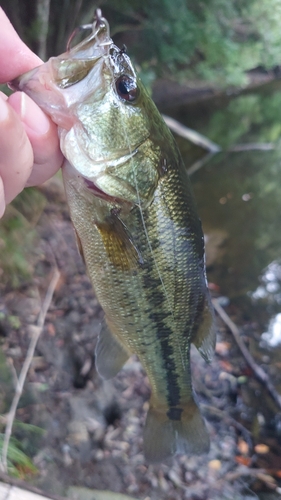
[(93, 429)]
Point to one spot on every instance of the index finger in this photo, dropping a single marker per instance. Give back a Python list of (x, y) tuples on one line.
[(15, 56)]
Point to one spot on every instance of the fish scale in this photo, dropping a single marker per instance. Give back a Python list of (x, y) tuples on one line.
[(137, 228)]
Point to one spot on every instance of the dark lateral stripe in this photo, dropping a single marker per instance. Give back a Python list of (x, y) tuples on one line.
[(164, 335), (174, 413), (193, 328), (154, 291)]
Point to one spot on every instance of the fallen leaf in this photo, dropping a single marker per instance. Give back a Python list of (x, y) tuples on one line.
[(214, 464), (243, 460), (51, 329), (261, 449), (226, 366), (243, 447), (60, 283), (222, 348), (213, 286)]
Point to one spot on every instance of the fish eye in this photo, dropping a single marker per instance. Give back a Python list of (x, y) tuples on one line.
[(127, 88)]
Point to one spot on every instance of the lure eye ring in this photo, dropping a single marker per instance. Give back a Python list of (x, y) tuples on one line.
[(127, 89)]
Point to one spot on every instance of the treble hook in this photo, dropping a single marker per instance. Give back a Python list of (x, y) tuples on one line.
[(101, 22), (98, 23), (75, 32)]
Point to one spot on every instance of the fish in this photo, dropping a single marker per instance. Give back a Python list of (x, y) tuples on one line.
[(137, 229)]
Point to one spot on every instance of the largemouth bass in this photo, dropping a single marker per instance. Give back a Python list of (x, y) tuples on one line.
[(137, 229)]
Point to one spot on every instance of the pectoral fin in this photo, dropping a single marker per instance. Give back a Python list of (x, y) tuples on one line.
[(205, 337), (110, 354), (79, 245), (118, 242)]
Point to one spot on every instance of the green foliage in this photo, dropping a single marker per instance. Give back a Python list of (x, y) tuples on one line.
[(19, 464), (17, 239), (29, 428), (264, 19), (14, 321), (6, 383), (27, 437), (14, 242), (226, 43), (214, 40)]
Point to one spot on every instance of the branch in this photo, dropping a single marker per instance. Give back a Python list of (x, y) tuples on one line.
[(255, 473), (200, 163), (257, 370), (36, 334), (212, 148), (222, 415), (259, 146), (191, 135)]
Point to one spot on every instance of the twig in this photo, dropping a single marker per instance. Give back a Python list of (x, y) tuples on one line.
[(27, 487), (36, 334), (256, 473), (191, 135), (258, 371), (43, 12), (200, 163), (221, 414), (213, 148), (259, 146)]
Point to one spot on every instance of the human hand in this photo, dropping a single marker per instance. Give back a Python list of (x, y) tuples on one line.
[(29, 145)]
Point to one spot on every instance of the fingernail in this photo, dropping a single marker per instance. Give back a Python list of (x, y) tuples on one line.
[(33, 116), (3, 96), (4, 110)]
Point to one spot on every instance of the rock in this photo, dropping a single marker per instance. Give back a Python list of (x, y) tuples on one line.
[(76, 493)]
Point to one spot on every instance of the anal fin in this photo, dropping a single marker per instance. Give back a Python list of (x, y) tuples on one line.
[(110, 354)]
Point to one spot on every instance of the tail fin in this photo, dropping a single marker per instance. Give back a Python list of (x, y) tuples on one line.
[(184, 433)]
